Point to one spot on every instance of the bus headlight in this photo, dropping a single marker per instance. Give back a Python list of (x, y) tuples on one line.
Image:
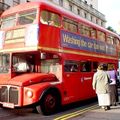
[(29, 94)]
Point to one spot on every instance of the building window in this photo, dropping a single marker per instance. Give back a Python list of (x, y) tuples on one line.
[(71, 7), (16, 2), (91, 5), (78, 11), (85, 15), (2, 1), (101, 23), (91, 17), (85, 2), (61, 2), (96, 21)]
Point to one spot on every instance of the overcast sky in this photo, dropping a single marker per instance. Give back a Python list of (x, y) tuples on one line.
[(111, 10)]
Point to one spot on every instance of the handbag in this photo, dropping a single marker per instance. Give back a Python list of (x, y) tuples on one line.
[(109, 81)]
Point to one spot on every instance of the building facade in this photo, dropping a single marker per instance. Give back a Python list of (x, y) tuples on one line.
[(87, 9), (3, 6)]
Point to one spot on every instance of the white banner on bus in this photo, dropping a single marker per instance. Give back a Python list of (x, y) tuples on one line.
[(31, 37)]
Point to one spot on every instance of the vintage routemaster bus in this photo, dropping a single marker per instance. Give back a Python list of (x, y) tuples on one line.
[(58, 52)]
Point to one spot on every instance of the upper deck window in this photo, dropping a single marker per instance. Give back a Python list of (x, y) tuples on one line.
[(8, 22), (110, 39), (116, 41), (93, 33), (84, 30), (101, 35), (23, 18), (27, 17), (50, 18), (70, 25)]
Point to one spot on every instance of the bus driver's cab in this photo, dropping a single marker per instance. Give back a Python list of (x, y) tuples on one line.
[(22, 62), (36, 63)]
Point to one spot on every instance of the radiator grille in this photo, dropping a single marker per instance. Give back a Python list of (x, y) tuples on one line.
[(13, 96), (9, 94), (4, 94)]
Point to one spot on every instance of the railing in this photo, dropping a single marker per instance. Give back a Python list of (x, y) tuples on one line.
[(87, 8), (3, 7)]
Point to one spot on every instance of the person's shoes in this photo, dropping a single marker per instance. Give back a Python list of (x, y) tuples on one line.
[(115, 104), (102, 107), (108, 107), (105, 108)]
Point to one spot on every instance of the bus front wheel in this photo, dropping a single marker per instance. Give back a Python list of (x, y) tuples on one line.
[(48, 104)]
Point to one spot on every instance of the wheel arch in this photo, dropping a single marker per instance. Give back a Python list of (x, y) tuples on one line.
[(44, 108), (52, 90)]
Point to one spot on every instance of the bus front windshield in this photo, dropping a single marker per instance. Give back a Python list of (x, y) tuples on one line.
[(4, 63), (22, 18), (23, 63)]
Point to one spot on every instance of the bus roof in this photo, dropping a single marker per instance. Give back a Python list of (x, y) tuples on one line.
[(57, 9), (21, 7)]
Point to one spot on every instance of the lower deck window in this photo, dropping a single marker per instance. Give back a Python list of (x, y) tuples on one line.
[(85, 66), (70, 66)]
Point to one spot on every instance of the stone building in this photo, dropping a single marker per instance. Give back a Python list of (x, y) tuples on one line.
[(87, 9), (3, 6)]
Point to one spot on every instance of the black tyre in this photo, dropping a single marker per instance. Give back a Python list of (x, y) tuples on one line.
[(49, 104)]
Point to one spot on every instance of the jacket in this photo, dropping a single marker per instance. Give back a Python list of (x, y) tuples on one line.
[(113, 76), (100, 82)]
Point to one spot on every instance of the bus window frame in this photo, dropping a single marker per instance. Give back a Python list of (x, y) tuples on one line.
[(13, 25), (72, 68), (94, 68), (85, 69), (69, 22), (109, 37), (50, 22), (101, 35), (83, 29), (93, 33), (24, 12), (16, 18)]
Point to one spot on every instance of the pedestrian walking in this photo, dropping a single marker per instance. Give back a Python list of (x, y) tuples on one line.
[(113, 84), (101, 86)]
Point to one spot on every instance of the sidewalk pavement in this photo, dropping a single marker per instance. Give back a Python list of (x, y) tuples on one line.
[(100, 114)]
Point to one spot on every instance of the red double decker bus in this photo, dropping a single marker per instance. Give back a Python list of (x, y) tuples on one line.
[(48, 56)]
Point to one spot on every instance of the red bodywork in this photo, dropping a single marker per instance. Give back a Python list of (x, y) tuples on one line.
[(72, 86)]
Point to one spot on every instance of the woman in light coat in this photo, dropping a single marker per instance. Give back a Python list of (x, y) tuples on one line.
[(101, 86)]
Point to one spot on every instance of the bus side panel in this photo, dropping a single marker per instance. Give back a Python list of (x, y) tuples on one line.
[(78, 86), (49, 36)]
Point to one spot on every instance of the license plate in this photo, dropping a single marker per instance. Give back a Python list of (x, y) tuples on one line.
[(8, 105)]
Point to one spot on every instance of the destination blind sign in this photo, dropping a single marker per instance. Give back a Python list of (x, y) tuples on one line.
[(78, 42)]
